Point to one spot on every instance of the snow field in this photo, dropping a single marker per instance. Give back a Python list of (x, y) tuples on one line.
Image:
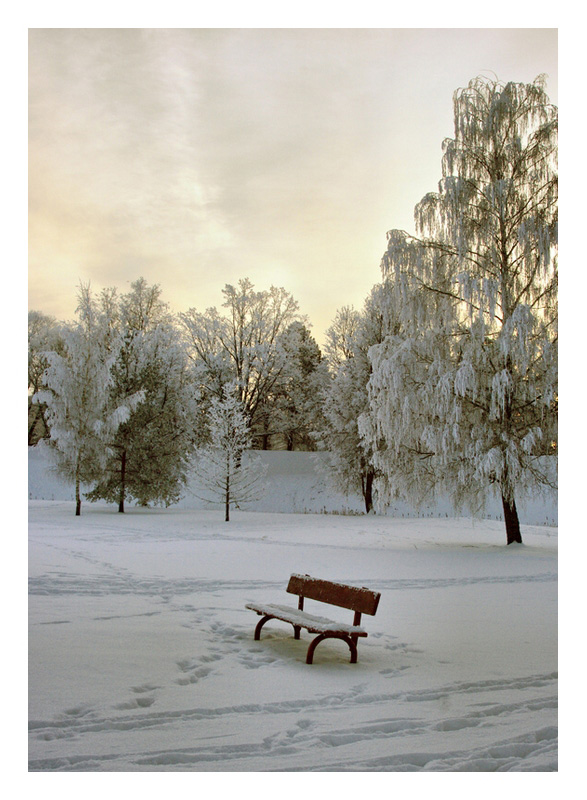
[(142, 657)]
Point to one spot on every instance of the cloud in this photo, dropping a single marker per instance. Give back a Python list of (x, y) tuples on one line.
[(195, 157)]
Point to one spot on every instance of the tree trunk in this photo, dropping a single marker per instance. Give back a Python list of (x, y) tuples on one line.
[(78, 500), (368, 490), (512, 523), (227, 500), (33, 425), (510, 512), (122, 483)]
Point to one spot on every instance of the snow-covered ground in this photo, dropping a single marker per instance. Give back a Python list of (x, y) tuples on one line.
[(141, 651)]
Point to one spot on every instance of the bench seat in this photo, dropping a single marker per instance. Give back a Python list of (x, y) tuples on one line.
[(311, 622)]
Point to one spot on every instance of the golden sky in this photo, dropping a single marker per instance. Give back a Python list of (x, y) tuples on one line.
[(195, 157)]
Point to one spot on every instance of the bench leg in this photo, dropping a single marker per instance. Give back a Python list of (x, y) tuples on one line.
[(266, 618), (315, 642), (260, 624)]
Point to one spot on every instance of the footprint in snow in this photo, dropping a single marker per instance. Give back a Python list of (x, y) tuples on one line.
[(139, 702), (146, 687), (195, 669), (194, 676)]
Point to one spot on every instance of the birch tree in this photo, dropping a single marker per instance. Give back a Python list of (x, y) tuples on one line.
[(463, 396), (76, 392)]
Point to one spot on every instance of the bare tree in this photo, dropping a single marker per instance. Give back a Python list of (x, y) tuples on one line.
[(242, 345)]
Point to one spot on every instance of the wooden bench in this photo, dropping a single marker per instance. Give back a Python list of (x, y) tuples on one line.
[(361, 601)]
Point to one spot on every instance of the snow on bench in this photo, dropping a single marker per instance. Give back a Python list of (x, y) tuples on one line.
[(304, 620), (359, 600)]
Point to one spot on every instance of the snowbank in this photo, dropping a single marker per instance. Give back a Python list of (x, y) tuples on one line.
[(294, 485)]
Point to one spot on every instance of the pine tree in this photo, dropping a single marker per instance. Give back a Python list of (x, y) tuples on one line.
[(463, 396), (220, 465), (149, 453), (44, 335)]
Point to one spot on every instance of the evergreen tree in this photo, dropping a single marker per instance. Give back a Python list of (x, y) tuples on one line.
[(220, 466), (44, 335), (149, 454), (463, 396)]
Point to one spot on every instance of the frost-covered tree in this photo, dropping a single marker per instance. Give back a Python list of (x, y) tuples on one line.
[(340, 336), (149, 454), (349, 459), (242, 345), (76, 393), (291, 413), (44, 335), (463, 396), (220, 467)]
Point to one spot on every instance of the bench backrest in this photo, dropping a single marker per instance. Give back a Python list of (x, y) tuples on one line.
[(337, 594)]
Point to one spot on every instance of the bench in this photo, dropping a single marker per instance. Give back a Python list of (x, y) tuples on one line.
[(359, 600)]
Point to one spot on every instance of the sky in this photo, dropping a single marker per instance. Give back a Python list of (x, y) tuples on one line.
[(194, 157)]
